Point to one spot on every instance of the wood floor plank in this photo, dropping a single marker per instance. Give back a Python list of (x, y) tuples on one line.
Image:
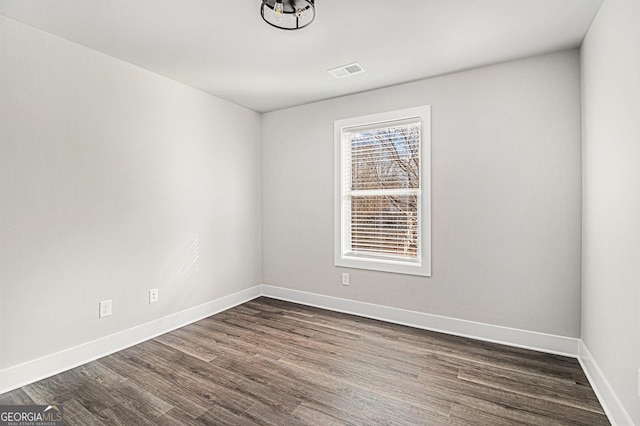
[(314, 416), (177, 341), (177, 416), (76, 414), (185, 378), (233, 391), (158, 384), (353, 345), (570, 394), (342, 398), (125, 414), (127, 390), (472, 410), (53, 390), (271, 362), (359, 352), (268, 415), (219, 416), (16, 397), (525, 403)]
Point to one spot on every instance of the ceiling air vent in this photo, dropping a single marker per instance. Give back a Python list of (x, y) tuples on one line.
[(346, 70)]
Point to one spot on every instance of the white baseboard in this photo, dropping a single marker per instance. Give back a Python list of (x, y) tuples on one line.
[(38, 369), (541, 342), (608, 399)]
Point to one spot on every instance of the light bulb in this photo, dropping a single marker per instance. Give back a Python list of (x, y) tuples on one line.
[(301, 13), (277, 10)]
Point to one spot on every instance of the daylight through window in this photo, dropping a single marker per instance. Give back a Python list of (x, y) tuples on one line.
[(382, 193)]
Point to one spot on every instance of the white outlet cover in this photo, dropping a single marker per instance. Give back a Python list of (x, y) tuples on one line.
[(105, 308), (345, 278), (153, 295)]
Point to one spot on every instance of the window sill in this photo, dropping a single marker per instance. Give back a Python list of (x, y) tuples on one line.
[(391, 265)]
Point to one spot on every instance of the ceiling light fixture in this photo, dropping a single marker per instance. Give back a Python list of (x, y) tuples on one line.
[(288, 14)]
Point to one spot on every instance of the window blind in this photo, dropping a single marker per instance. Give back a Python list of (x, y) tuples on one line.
[(381, 189)]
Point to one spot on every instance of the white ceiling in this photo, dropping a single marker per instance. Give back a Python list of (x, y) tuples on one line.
[(224, 47)]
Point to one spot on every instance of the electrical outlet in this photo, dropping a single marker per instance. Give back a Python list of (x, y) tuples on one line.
[(105, 308), (153, 295), (345, 278)]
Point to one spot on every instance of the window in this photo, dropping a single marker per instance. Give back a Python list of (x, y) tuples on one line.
[(382, 192)]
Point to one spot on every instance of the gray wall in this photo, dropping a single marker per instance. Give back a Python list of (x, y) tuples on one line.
[(506, 185), (611, 202), (113, 181)]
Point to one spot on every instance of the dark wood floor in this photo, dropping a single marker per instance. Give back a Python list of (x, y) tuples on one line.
[(277, 363)]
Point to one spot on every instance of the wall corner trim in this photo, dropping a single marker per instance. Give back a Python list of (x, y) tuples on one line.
[(31, 371), (541, 342), (608, 399)]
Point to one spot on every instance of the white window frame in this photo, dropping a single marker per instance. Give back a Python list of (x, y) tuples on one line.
[(420, 266)]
